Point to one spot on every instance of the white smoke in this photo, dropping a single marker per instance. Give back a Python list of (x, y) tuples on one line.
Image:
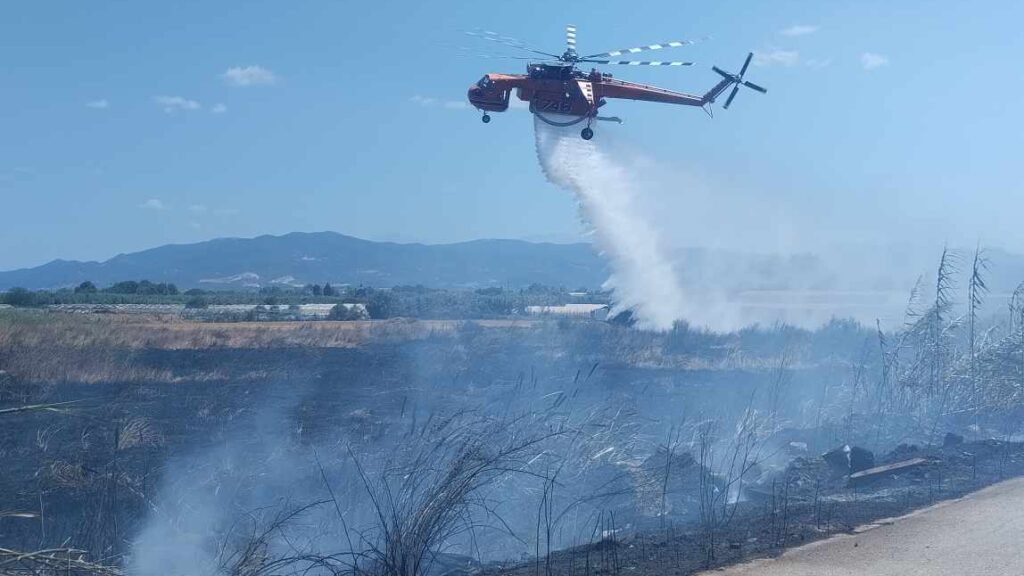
[(643, 279)]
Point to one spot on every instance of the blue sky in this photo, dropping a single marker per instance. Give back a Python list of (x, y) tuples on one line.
[(125, 125)]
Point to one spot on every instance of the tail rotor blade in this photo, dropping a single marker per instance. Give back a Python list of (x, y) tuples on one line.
[(732, 95), (570, 38), (736, 80), (721, 72), (745, 64), (755, 87)]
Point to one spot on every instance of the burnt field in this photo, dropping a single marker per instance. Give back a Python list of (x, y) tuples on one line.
[(806, 501), (158, 446)]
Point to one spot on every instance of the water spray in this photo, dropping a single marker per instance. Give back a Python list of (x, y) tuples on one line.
[(643, 280)]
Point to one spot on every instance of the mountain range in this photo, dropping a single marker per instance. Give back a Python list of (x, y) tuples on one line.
[(300, 258)]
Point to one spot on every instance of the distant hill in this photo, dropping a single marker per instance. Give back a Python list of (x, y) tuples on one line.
[(299, 258)]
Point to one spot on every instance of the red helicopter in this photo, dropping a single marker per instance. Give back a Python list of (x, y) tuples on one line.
[(556, 89)]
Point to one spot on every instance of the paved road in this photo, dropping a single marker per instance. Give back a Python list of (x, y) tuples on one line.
[(979, 535)]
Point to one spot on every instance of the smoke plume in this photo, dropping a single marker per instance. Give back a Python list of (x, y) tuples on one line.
[(642, 279)]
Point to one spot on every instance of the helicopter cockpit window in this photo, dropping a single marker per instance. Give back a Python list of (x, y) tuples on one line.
[(484, 82)]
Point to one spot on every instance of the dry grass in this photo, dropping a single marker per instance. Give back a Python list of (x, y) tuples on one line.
[(55, 561), (38, 346), (21, 329), (53, 347)]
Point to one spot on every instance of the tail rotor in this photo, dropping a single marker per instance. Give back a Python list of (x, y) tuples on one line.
[(737, 80)]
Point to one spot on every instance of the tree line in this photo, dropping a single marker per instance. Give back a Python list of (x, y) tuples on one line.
[(380, 303)]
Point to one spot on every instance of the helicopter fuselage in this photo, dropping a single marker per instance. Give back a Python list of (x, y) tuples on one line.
[(557, 87), (547, 88), (562, 89)]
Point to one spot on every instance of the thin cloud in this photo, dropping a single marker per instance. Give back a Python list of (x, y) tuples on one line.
[(219, 108), (197, 210), (201, 210), (870, 60), (423, 100), (101, 104), (799, 30), (777, 58), (431, 102), (171, 104), (248, 76), (18, 173)]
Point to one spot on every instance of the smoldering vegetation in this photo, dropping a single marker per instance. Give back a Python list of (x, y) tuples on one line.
[(563, 447)]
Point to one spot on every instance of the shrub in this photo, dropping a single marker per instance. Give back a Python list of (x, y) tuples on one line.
[(343, 312), (20, 297), (196, 302), (380, 306)]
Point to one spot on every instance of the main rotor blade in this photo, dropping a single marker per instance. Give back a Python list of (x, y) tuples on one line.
[(637, 63), (508, 41), (745, 64), (570, 38), (663, 45), (732, 95), (755, 87), (505, 57), (484, 52)]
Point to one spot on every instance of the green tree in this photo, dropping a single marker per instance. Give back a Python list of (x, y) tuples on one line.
[(19, 297), (345, 312), (86, 287), (381, 305), (196, 302), (328, 290), (124, 287)]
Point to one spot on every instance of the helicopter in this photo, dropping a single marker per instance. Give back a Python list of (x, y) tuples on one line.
[(560, 94)]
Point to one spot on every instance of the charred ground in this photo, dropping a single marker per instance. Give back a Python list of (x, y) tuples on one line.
[(578, 447)]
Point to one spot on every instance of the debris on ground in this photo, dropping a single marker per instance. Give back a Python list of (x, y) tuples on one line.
[(848, 459), (885, 471), (951, 439)]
